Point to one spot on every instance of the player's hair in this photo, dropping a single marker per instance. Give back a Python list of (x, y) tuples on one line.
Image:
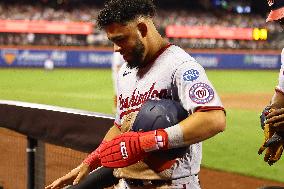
[(123, 11)]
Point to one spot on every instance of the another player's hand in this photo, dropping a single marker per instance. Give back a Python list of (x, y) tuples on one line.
[(274, 148), (71, 178), (263, 115), (276, 119), (271, 132), (128, 148)]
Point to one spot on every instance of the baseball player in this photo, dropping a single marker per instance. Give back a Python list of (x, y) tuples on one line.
[(272, 118), (277, 15), (154, 70)]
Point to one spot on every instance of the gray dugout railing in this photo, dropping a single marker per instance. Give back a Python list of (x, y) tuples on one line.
[(60, 136)]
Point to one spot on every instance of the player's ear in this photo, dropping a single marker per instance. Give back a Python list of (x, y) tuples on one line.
[(143, 29)]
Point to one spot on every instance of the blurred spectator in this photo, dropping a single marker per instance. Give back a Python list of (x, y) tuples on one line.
[(85, 13)]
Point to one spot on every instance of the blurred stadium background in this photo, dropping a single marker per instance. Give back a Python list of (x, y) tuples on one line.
[(210, 13), (230, 38)]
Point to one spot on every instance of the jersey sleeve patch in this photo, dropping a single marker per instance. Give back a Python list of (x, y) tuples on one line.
[(190, 75), (201, 93)]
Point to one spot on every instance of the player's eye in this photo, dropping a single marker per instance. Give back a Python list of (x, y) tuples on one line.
[(117, 39), (120, 40)]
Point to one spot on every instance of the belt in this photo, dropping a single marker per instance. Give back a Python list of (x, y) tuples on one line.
[(140, 182)]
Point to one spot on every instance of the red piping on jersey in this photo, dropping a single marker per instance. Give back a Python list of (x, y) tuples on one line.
[(279, 91), (209, 108), (129, 111), (117, 125)]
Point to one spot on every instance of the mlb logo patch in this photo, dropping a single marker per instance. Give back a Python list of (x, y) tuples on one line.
[(9, 56), (190, 75), (201, 93)]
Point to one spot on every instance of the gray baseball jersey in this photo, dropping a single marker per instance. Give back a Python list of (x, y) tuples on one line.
[(173, 74)]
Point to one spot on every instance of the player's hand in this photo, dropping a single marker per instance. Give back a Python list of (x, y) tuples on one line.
[(268, 133), (273, 144), (128, 148), (273, 153), (71, 178), (263, 115), (276, 119)]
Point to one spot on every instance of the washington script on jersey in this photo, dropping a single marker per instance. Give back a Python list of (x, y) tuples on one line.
[(131, 104)]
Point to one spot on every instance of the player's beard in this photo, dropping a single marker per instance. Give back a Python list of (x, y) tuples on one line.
[(137, 56)]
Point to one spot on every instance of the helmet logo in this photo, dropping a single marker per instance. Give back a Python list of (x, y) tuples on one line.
[(270, 2)]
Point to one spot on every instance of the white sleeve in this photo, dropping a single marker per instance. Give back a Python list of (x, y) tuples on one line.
[(280, 85), (117, 120), (117, 62), (194, 89), (117, 59)]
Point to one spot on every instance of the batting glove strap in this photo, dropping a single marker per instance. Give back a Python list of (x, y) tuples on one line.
[(175, 136), (154, 140)]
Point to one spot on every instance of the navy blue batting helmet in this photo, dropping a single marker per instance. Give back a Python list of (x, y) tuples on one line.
[(159, 114)]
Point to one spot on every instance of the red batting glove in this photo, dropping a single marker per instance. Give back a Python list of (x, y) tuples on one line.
[(93, 159), (128, 148)]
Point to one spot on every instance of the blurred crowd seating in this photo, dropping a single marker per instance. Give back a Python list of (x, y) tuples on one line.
[(165, 17)]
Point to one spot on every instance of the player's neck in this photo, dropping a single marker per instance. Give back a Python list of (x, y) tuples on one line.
[(157, 43), (163, 44)]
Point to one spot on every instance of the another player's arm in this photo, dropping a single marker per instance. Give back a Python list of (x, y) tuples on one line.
[(276, 118), (272, 122), (277, 99)]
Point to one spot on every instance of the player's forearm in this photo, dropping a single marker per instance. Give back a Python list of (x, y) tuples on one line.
[(277, 99), (202, 125)]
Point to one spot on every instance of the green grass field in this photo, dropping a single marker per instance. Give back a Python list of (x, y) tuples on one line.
[(234, 150)]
